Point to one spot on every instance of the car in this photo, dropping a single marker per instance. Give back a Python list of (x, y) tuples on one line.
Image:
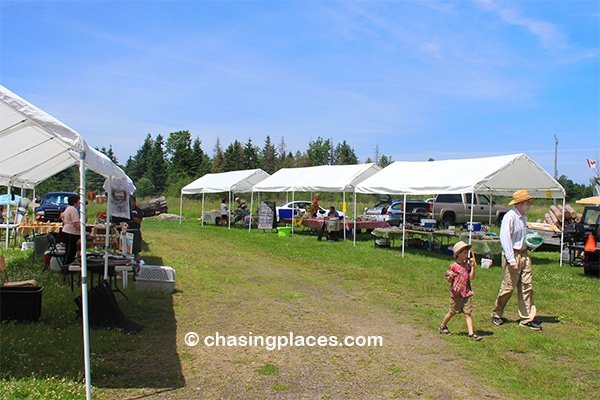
[(380, 208), (299, 206), (415, 211), (53, 204)]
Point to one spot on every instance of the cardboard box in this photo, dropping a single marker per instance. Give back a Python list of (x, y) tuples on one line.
[(20, 303)]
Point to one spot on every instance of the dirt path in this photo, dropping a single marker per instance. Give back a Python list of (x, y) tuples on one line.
[(261, 298)]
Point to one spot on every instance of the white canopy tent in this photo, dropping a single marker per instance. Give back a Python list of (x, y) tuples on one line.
[(224, 182), (323, 178), (36, 146), (500, 175)]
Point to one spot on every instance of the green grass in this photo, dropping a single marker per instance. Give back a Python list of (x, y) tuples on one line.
[(44, 359)]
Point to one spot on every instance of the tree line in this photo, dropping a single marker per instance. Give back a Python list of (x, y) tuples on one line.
[(163, 167)]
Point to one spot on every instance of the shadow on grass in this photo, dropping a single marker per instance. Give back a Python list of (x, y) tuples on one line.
[(149, 358), (52, 347)]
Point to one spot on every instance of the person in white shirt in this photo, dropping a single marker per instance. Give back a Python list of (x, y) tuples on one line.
[(224, 213), (516, 264)]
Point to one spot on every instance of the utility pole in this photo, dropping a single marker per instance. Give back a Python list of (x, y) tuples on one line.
[(555, 158)]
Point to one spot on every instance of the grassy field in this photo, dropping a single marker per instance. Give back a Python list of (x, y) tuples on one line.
[(238, 282)]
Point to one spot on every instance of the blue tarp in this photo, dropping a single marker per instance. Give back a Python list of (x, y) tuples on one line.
[(4, 199)]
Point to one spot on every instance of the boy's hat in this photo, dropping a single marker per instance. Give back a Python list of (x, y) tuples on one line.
[(460, 246), (520, 196)]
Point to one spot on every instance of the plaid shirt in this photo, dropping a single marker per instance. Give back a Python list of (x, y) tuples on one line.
[(461, 284)]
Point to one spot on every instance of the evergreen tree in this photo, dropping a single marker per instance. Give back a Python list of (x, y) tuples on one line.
[(250, 156), (137, 166), (200, 161), (301, 160), (384, 161), (234, 157), (269, 156), (218, 164), (157, 166), (180, 155), (344, 155), (282, 154)]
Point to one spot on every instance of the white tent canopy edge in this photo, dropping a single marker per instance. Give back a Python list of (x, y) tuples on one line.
[(224, 182), (36, 146), (322, 178), (498, 175)]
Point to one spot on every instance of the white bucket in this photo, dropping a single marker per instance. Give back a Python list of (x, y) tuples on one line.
[(55, 264), (486, 263)]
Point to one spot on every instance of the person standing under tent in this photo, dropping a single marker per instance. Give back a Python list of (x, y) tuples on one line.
[(71, 227), (224, 212), (135, 226), (315, 205)]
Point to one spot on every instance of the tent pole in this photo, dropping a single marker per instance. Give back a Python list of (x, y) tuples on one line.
[(229, 211), (108, 219), (8, 215), (354, 213), (562, 233), (202, 215), (344, 210), (180, 207), (403, 225), (471, 217), (251, 205), (293, 209), (84, 292)]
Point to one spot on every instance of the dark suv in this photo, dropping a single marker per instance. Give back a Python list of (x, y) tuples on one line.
[(53, 204), (415, 211)]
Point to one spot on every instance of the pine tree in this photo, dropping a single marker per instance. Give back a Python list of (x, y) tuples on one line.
[(250, 156), (269, 157), (344, 155), (218, 164), (234, 157), (157, 166)]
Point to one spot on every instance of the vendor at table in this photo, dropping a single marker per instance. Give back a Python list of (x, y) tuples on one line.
[(71, 227), (331, 215)]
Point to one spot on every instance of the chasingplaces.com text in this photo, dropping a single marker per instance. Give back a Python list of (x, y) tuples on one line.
[(279, 342)]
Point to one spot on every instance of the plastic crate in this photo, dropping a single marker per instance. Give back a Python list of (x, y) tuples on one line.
[(20, 303), (156, 277)]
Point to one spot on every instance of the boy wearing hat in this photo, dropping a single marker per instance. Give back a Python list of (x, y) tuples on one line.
[(459, 274), (516, 264)]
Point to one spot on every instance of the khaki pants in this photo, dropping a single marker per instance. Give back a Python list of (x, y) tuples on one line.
[(521, 279)]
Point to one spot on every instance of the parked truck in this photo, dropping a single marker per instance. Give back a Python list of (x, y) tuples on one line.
[(452, 209)]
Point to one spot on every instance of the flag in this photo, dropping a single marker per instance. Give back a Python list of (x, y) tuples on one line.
[(592, 163)]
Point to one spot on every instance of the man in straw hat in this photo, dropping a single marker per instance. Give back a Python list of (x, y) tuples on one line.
[(516, 264)]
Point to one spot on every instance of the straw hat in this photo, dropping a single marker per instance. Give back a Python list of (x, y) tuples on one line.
[(520, 196), (458, 247)]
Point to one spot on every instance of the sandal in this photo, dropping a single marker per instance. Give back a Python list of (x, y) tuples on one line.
[(444, 330), (475, 337)]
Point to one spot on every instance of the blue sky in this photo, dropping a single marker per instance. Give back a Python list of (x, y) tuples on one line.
[(415, 79)]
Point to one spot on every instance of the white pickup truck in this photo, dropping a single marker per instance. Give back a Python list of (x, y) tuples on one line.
[(451, 209)]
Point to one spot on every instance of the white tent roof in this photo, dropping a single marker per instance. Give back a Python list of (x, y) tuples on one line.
[(501, 175), (323, 178), (233, 181), (36, 146)]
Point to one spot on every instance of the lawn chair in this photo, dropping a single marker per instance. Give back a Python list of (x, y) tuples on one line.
[(4, 277)]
